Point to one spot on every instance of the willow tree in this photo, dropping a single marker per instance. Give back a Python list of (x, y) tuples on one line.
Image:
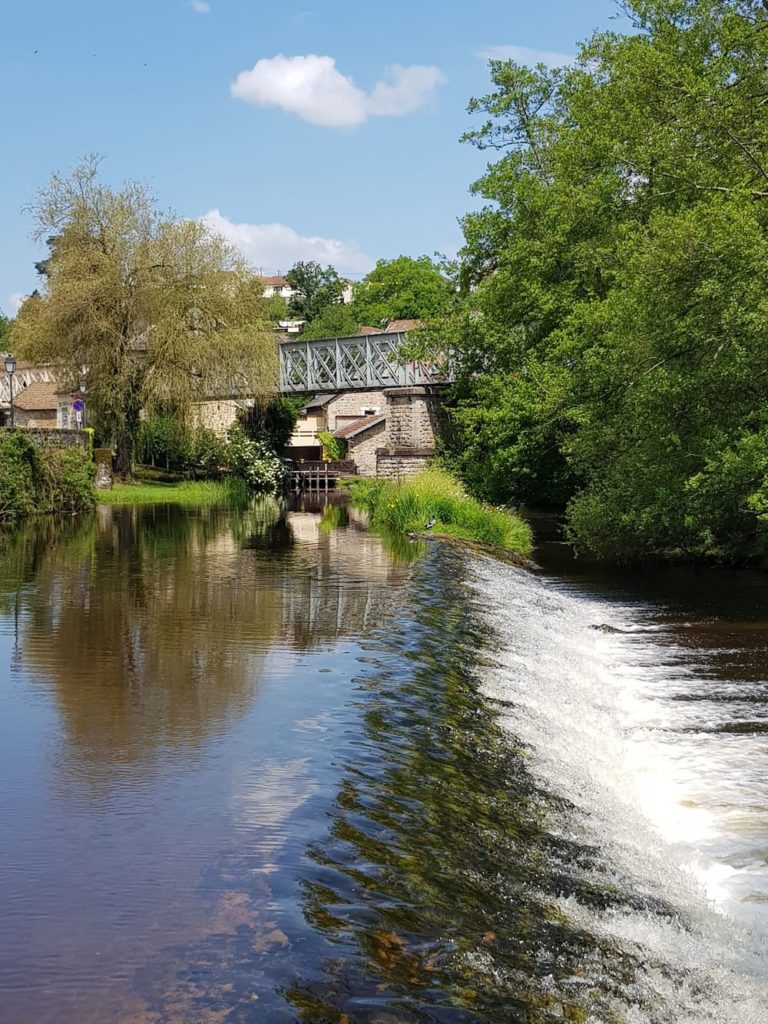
[(157, 312)]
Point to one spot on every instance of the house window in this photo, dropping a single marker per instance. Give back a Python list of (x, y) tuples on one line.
[(370, 412)]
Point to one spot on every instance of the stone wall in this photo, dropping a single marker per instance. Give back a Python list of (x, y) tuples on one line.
[(350, 405), (35, 418), (394, 463), (52, 436), (362, 449), (217, 415), (412, 417)]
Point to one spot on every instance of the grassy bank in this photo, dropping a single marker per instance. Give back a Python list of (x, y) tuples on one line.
[(434, 494), (230, 490)]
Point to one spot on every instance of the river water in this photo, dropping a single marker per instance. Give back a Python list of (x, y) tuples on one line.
[(260, 766)]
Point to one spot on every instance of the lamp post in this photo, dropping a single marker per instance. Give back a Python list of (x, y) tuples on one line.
[(10, 369)]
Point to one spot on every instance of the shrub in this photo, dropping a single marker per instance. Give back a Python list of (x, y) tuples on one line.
[(273, 422), (334, 448), (255, 462), (20, 475), (38, 480), (67, 480), (168, 442)]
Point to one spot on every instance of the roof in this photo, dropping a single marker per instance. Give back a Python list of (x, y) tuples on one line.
[(358, 426), (318, 402), (402, 326), (369, 330), (37, 397), (279, 280)]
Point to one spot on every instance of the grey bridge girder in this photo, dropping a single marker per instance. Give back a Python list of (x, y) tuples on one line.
[(350, 364)]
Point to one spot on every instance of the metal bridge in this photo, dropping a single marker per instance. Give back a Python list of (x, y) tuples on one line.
[(352, 364)]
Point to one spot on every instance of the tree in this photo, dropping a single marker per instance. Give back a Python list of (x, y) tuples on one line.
[(315, 289), (336, 321), (5, 332), (402, 288), (615, 328), (160, 312)]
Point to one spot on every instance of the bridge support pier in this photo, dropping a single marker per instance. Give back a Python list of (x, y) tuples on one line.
[(413, 424)]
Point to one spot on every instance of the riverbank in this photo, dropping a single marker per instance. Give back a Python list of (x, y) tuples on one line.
[(435, 499), (230, 490)]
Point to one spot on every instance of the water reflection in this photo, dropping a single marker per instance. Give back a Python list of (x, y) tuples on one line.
[(165, 674), (151, 625)]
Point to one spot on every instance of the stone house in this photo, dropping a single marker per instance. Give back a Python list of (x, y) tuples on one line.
[(36, 405)]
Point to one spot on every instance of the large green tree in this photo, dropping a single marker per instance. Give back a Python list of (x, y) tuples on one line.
[(614, 344), (158, 312), (315, 289), (403, 288)]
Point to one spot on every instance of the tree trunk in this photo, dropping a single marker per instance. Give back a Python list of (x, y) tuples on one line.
[(123, 454)]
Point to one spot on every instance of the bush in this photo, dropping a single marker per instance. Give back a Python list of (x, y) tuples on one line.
[(255, 462), (67, 480), (39, 480), (20, 475), (168, 442), (334, 448), (273, 422)]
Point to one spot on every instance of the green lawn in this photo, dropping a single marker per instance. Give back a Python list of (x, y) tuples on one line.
[(187, 492)]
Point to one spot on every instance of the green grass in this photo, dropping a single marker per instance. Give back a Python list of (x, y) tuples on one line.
[(230, 490), (406, 507)]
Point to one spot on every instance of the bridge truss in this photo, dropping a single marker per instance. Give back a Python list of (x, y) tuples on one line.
[(349, 364)]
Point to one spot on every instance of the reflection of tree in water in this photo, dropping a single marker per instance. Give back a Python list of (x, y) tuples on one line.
[(435, 888), (152, 624)]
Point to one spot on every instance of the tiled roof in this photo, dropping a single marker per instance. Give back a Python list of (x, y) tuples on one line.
[(401, 326), (369, 330), (358, 426), (36, 397), (279, 281)]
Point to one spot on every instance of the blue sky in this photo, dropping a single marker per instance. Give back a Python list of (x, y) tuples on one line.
[(348, 155)]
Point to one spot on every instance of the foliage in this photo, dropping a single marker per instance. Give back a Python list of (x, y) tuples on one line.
[(336, 321), (334, 448), (39, 480), (612, 343), (275, 309), (315, 289), (5, 332), (434, 494), (255, 462), (231, 490), (170, 442), (273, 422), (403, 288), (160, 311)]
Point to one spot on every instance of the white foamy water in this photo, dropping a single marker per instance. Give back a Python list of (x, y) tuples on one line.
[(660, 758)]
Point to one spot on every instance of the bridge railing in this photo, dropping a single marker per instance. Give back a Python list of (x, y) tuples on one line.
[(348, 364)]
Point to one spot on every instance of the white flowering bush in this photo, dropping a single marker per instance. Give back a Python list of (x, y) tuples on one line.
[(255, 462)]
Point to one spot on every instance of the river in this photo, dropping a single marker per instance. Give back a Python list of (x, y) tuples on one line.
[(260, 766)]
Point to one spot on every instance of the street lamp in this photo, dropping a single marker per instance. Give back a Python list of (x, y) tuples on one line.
[(10, 369)]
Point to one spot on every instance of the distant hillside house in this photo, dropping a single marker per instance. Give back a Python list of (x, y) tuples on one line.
[(277, 285)]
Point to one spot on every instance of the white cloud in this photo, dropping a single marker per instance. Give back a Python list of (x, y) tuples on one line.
[(200, 6), (15, 301), (526, 55), (314, 89), (277, 246)]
